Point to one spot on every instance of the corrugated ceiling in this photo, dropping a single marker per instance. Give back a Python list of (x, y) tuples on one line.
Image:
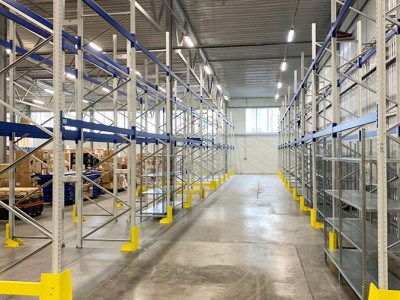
[(245, 40), (248, 72)]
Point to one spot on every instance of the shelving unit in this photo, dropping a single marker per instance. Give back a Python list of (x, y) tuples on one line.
[(342, 123), (165, 137)]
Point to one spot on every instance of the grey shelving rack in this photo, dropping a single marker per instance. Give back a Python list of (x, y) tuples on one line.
[(343, 117)]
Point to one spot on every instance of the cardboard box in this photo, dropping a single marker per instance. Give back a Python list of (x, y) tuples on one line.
[(23, 180), (87, 190), (5, 174), (4, 183)]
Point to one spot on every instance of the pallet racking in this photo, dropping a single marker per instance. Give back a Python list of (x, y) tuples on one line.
[(174, 132), (342, 121)]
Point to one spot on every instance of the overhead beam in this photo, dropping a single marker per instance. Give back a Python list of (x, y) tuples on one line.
[(216, 46), (148, 17), (256, 59), (223, 46)]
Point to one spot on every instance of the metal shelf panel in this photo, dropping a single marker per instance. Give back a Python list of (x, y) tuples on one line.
[(351, 269), (353, 198), (352, 231), (159, 208)]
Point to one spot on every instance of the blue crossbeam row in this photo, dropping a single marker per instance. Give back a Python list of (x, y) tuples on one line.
[(106, 134), (131, 37), (342, 13), (358, 122), (90, 54)]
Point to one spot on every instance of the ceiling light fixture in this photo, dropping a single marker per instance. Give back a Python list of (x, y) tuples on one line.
[(8, 51), (40, 102), (189, 41), (219, 87), (276, 96), (290, 35), (95, 47), (279, 85), (226, 98), (106, 90), (207, 69), (138, 73), (70, 76), (284, 66), (49, 91)]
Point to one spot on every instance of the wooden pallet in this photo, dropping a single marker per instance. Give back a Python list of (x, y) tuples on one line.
[(19, 191)]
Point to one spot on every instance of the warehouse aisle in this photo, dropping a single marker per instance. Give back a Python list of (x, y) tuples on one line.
[(246, 241)]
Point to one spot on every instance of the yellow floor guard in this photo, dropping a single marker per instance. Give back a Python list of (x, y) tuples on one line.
[(333, 241), (188, 204), (12, 243), (168, 219), (376, 294), (74, 216), (50, 287), (133, 245), (213, 185), (313, 219), (295, 197)]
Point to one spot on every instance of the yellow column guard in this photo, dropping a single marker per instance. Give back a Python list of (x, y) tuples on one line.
[(50, 287), (133, 245), (168, 219), (376, 294)]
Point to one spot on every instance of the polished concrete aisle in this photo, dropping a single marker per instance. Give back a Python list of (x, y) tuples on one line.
[(248, 240)]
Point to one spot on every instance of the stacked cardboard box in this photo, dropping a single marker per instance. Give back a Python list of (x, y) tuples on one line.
[(87, 190), (24, 170)]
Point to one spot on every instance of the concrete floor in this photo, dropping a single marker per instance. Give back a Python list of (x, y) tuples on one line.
[(248, 240)]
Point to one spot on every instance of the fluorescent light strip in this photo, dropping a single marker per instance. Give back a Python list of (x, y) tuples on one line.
[(207, 69), (284, 66), (189, 41), (40, 102), (70, 76), (290, 35), (95, 47)]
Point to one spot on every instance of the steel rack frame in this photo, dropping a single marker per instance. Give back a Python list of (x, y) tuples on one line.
[(347, 129), (192, 134)]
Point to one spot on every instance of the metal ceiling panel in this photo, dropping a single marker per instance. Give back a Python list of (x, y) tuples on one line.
[(253, 71), (245, 40)]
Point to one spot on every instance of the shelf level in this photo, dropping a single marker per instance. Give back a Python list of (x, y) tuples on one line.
[(351, 269), (352, 231), (353, 198)]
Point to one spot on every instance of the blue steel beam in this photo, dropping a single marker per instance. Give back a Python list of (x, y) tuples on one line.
[(131, 37), (109, 134), (40, 19), (49, 62), (342, 13), (90, 50), (361, 61), (358, 122)]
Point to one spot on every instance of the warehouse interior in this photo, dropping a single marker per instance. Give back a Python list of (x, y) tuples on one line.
[(185, 149)]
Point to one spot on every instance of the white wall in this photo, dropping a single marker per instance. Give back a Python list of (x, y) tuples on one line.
[(254, 153)]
